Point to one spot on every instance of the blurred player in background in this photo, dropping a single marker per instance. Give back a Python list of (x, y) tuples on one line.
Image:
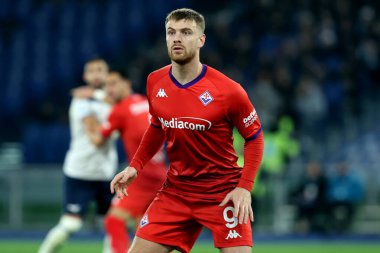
[(194, 108), (87, 169), (130, 117)]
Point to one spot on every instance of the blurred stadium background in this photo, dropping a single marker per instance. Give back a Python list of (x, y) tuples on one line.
[(311, 68)]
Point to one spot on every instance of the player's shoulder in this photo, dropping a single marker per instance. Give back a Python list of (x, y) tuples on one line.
[(129, 101), (223, 82), (80, 102), (158, 74), (136, 98), (121, 108)]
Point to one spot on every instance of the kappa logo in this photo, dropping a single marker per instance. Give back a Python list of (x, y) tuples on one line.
[(161, 93), (233, 235), (144, 221), (206, 98)]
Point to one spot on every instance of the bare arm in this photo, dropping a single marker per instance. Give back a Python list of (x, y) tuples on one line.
[(92, 128), (87, 92)]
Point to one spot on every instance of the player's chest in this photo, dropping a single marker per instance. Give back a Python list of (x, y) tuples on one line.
[(201, 102)]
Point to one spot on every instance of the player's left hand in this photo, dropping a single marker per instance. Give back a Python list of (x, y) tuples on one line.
[(241, 198)]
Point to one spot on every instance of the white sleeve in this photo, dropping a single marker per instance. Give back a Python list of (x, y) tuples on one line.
[(84, 108)]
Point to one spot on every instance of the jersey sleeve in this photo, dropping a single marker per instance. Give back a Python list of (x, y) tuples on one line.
[(114, 122), (154, 121), (244, 117), (153, 138), (150, 144), (242, 114), (84, 108), (253, 155)]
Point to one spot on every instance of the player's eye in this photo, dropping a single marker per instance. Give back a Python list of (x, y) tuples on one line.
[(187, 32), (171, 32)]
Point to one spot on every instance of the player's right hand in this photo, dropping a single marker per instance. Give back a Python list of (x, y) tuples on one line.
[(82, 92), (120, 182)]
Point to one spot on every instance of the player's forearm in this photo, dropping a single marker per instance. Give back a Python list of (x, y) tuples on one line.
[(149, 145), (97, 139), (253, 153), (92, 129)]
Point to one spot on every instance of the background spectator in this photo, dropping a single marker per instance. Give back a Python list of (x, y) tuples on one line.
[(310, 197), (345, 192)]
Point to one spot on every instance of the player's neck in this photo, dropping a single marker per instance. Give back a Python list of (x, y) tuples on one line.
[(125, 94), (187, 72)]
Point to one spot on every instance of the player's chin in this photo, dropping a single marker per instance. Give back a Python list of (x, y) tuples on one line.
[(176, 57), (97, 84), (181, 60)]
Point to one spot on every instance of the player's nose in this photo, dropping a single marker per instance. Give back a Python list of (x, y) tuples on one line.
[(177, 38)]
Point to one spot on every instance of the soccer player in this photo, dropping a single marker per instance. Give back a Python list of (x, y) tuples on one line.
[(87, 169), (130, 117), (194, 108)]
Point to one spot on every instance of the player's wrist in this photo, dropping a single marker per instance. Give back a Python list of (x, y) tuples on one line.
[(135, 165), (245, 184), (132, 169)]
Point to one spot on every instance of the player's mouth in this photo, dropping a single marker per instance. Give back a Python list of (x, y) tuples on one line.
[(177, 49), (97, 83)]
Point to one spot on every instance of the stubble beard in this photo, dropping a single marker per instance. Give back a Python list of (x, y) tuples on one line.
[(182, 59), (97, 84)]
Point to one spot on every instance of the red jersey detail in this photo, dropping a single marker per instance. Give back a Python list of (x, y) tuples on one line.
[(150, 144), (197, 119), (253, 154)]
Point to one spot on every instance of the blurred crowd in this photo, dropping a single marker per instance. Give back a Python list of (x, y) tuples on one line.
[(315, 61), (327, 204)]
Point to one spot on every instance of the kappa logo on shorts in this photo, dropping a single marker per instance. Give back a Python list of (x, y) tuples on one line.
[(206, 98), (144, 221), (233, 235)]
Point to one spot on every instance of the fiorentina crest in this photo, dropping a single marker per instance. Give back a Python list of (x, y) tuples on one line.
[(206, 98), (144, 221)]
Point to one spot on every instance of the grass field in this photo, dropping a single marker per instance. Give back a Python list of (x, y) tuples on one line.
[(283, 247)]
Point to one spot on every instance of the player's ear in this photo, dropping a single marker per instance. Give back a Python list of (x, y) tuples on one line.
[(202, 40)]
